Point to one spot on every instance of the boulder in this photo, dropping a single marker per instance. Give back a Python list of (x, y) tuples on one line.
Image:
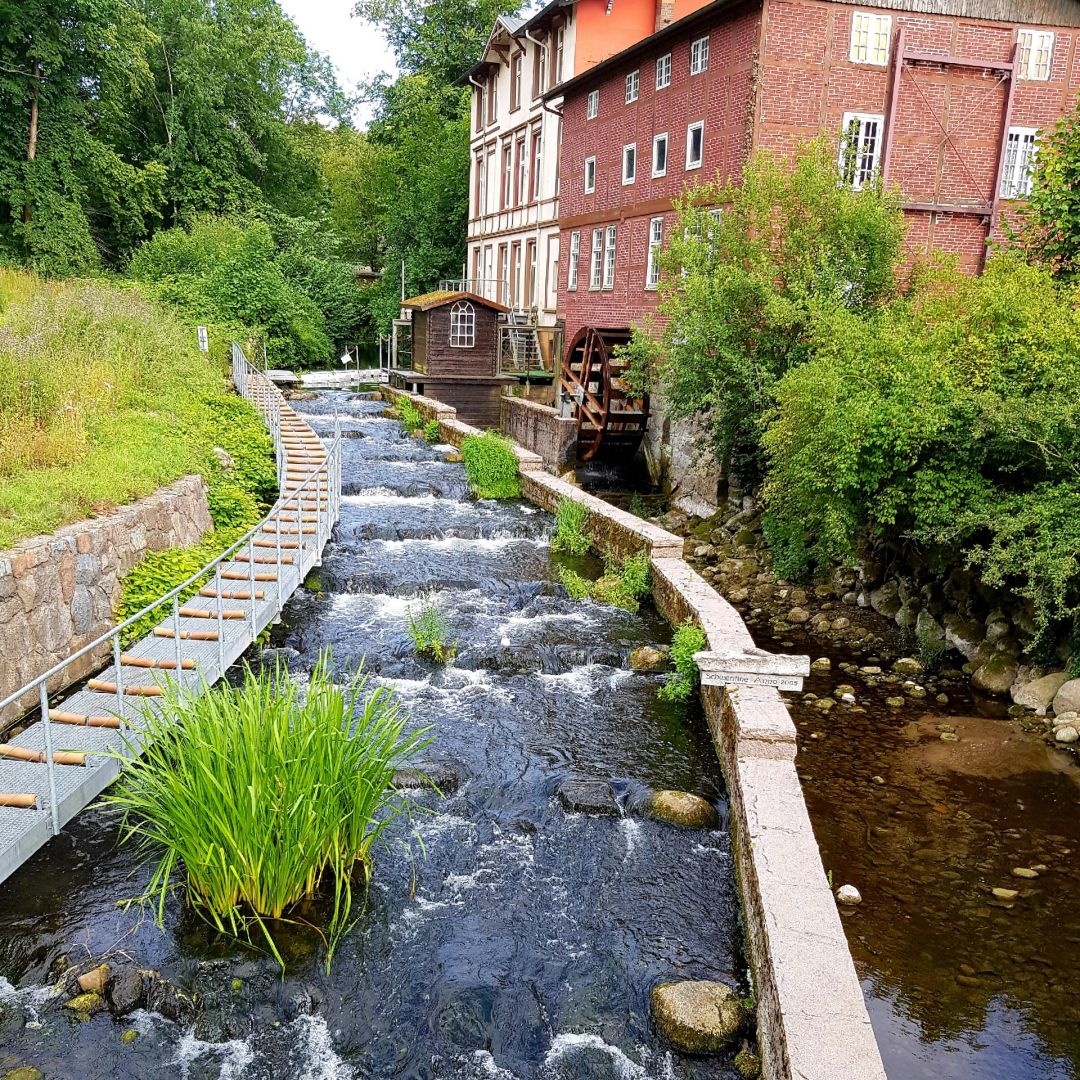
[(964, 635), (126, 991), (798, 615), (86, 1003), (95, 980), (1066, 734), (698, 1017), (1039, 694), (682, 808), (648, 658), (444, 778), (1067, 699), (908, 612), (996, 676), (907, 665), (928, 628), (588, 797), (747, 1064), (849, 895), (886, 599), (224, 458)]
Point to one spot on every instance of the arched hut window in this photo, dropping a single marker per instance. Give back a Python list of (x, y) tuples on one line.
[(462, 325)]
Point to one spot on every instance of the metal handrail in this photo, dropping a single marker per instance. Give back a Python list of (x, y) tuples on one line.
[(253, 385)]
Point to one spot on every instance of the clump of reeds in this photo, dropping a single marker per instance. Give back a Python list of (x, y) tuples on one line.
[(430, 632), (258, 794)]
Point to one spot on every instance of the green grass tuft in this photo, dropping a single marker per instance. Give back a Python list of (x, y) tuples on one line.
[(571, 521), (430, 632), (258, 794), (431, 431), (409, 415), (491, 465), (681, 683)]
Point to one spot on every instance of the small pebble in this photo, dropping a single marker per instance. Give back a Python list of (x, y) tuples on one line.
[(849, 895)]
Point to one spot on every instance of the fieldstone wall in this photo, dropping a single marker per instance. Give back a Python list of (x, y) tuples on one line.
[(542, 430), (680, 461), (58, 592)]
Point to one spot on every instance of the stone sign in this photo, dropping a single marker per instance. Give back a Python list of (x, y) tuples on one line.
[(752, 667)]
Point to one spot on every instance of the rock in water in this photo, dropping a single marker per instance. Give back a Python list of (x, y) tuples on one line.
[(86, 1003), (1067, 699), (443, 778), (1067, 734), (24, 1072), (682, 808), (126, 991), (997, 675), (648, 658), (588, 797), (747, 1064), (699, 1017), (1039, 694), (907, 665), (849, 895), (95, 980)]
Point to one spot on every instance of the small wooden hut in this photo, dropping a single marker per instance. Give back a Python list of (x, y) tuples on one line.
[(455, 353)]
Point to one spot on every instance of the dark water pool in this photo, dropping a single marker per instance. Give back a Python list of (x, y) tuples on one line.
[(527, 940)]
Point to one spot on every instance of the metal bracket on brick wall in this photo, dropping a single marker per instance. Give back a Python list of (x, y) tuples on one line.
[(749, 666)]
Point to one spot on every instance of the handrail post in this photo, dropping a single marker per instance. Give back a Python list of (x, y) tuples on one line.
[(220, 622), (119, 678), (251, 584), (318, 513), (277, 551), (50, 765), (179, 650)]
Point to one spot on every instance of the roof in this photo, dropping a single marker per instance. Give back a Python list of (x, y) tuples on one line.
[(440, 297), (1024, 12), (515, 27)]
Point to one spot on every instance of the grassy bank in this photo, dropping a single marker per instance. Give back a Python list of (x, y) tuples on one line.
[(104, 397)]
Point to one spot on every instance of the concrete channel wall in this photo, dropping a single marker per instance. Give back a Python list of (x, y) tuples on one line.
[(811, 1017), (58, 592)]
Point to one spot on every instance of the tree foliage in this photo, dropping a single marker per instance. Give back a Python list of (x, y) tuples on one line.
[(742, 287)]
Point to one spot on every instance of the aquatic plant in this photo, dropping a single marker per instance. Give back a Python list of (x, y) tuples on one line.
[(681, 683), (430, 632), (625, 583), (576, 586), (491, 465), (571, 521), (409, 415), (260, 792), (931, 650), (431, 431)]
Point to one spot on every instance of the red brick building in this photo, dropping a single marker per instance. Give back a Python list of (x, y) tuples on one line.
[(946, 104)]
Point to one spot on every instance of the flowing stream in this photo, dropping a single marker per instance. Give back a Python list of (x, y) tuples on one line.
[(524, 940)]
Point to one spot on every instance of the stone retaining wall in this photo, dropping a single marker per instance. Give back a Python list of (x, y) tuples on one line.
[(58, 592), (811, 1017), (541, 429)]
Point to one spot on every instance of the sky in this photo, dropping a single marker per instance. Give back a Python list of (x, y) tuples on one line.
[(357, 50)]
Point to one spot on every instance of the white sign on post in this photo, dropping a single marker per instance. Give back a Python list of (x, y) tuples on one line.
[(204, 338), (752, 667)]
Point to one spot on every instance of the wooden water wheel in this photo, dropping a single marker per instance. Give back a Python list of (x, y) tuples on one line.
[(611, 422)]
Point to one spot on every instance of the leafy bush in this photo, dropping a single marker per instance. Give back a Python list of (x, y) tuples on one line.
[(431, 431), (430, 632), (948, 419), (680, 684), (571, 521), (741, 290), (409, 415), (492, 466), (261, 791)]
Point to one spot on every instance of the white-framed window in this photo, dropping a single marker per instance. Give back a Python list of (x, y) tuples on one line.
[(590, 175), (462, 325), (870, 38), (596, 259), (695, 144), (572, 262), (1020, 147), (629, 163), (633, 84), (609, 257), (1035, 54), (663, 71), (656, 238), (659, 154), (860, 148), (699, 55), (592, 105)]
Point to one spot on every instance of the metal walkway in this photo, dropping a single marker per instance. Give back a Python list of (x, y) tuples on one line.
[(56, 767)]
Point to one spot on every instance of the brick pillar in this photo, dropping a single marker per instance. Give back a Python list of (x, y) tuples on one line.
[(665, 13)]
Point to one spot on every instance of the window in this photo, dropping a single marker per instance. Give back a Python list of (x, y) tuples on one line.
[(695, 137), (480, 204), (462, 325), (481, 105), (1019, 161), (590, 175), (659, 155), (572, 262), (539, 70), (663, 71), (633, 81), (860, 148), (536, 146), (870, 38), (522, 191), (609, 258), (1034, 55), (596, 258), (592, 104), (491, 183), (515, 82), (560, 48), (699, 55), (492, 99), (629, 163), (656, 238), (507, 174)]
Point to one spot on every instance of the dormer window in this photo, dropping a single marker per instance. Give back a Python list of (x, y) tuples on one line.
[(462, 325)]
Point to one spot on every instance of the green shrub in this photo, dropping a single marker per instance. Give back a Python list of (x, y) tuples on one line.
[(787, 542), (491, 465), (431, 431), (680, 684), (577, 587), (260, 792), (623, 584), (430, 632), (571, 521), (409, 415)]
